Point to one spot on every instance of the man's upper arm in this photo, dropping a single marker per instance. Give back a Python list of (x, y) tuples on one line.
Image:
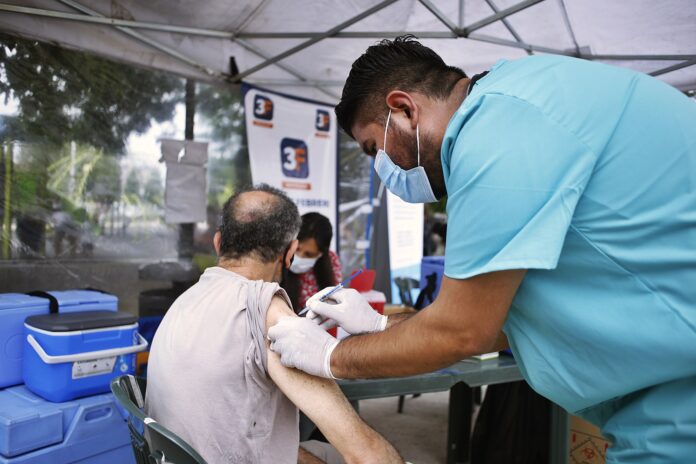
[(319, 398)]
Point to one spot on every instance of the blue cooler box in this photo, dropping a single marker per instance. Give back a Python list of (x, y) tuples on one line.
[(432, 267), (84, 300), (14, 308), (71, 355), (89, 430)]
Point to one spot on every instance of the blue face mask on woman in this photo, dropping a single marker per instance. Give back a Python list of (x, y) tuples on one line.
[(410, 185)]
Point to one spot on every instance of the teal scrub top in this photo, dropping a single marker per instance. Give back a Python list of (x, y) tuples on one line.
[(584, 174)]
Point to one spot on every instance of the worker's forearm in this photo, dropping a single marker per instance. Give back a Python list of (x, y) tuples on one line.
[(416, 345), (501, 343), (396, 318)]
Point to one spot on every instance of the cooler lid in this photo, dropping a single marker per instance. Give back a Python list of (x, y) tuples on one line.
[(83, 320), (21, 300), (434, 259), (81, 297)]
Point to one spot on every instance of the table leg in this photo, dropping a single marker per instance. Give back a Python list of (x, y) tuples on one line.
[(459, 429), (559, 436)]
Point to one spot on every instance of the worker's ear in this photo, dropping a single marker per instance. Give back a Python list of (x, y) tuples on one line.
[(216, 242), (400, 101), (290, 254)]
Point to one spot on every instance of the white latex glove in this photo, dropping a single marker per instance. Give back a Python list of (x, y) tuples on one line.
[(348, 309), (303, 345)]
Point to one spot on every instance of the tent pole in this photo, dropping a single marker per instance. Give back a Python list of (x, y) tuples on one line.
[(331, 32), (6, 151), (588, 56), (392, 34), (185, 248), (254, 49), (674, 67), (441, 16), (508, 26), (569, 28), (513, 44), (115, 21), (146, 40), (460, 22), (498, 16)]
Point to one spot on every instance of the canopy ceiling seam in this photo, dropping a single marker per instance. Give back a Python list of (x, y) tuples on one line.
[(251, 16), (455, 31), (340, 35), (146, 40)]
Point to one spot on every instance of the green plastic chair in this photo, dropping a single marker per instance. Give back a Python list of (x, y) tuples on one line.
[(152, 443)]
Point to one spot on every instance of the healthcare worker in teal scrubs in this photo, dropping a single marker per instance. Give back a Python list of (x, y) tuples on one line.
[(571, 203)]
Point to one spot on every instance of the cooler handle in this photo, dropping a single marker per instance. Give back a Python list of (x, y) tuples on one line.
[(89, 356)]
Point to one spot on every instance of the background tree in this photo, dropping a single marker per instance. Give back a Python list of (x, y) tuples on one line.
[(67, 96)]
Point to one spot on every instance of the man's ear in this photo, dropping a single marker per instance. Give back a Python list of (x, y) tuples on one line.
[(400, 101), (216, 242), (290, 254)]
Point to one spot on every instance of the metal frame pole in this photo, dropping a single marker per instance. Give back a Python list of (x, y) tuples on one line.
[(287, 68), (441, 16), (148, 41), (114, 22), (507, 25), (674, 67), (331, 32), (498, 16)]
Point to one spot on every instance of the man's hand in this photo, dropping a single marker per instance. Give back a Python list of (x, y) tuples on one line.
[(303, 345), (350, 311)]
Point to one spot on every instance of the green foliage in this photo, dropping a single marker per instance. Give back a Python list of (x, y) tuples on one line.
[(70, 95), (222, 111)]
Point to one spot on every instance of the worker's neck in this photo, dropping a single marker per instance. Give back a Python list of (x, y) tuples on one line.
[(458, 94), (252, 270)]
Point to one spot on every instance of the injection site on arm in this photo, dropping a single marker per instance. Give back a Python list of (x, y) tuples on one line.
[(324, 403)]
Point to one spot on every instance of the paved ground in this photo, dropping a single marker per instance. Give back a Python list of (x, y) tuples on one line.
[(419, 433)]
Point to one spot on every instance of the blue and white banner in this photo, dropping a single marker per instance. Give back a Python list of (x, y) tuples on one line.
[(293, 146), (405, 245)]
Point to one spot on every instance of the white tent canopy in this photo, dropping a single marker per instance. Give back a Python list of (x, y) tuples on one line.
[(306, 47)]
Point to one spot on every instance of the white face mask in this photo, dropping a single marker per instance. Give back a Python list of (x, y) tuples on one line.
[(410, 185), (301, 265)]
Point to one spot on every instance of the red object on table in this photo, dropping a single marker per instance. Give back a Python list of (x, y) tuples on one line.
[(364, 281)]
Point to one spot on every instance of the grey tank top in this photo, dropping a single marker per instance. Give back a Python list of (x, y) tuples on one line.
[(207, 373)]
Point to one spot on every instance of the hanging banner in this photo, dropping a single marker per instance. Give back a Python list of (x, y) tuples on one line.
[(293, 146), (405, 247)]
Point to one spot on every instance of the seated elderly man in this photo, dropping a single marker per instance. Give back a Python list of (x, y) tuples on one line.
[(212, 379)]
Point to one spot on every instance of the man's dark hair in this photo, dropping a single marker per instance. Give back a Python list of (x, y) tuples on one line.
[(260, 228), (402, 63)]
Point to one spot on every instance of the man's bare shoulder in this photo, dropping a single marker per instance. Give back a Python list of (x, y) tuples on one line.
[(277, 309)]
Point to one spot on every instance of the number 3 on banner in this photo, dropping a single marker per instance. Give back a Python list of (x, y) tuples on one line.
[(290, 162), (260, 106)]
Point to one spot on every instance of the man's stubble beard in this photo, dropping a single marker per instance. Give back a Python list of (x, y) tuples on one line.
[(429, 158)]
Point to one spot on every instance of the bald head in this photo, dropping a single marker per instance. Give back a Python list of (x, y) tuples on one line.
[(258, 223)]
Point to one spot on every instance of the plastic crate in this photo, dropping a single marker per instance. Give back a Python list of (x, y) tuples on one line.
[(14, 309), (89, 430)]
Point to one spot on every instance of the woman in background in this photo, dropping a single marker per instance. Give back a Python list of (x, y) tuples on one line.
[(315, 266)]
